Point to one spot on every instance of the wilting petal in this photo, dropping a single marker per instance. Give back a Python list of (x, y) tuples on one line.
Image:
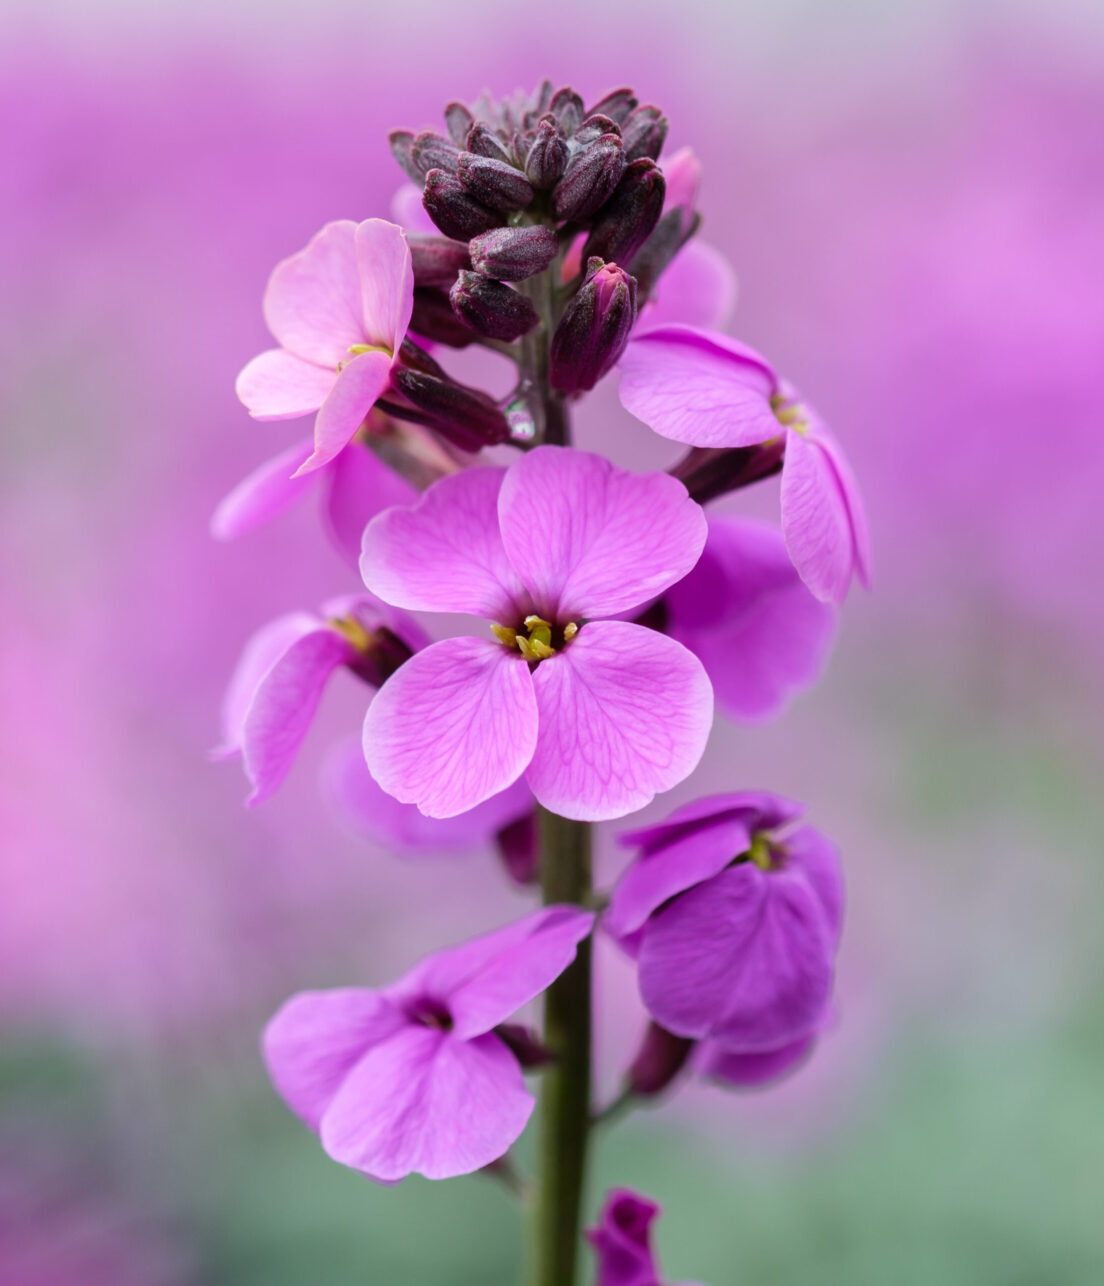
[(373, 813), (359, 486), (263, 494), (624, 713), (699, 387), (589, 539), (284, 705), (445, 554), (746, 1071), (277, 385), (315, 1040), (621, 1241), (426, 1103), (453, 726), (747, 615), (362, 380), (313, 300), (386, 281), (745, 958), (698, 288)]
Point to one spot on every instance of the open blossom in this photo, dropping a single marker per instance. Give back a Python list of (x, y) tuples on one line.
[(283, 671), (734, 927), (746, 614), (622, 1241), (598, 714), (413, 1078), (340, 309), (707, 390)]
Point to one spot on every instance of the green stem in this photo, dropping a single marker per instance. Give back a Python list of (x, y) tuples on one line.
[(564, 1106)]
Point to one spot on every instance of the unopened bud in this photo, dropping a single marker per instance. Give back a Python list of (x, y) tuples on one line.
[(671, 233), (435, 152), (454, 210), (547, 157), (495, 183), (524, 1043), (617, 104), (593, 128), (483, 141), (662, 1055), (491, 308), (465, 416), (402, 149), (436, 260), (628, 218), (459, 121), (644, 132), (594, 330), (567, 107), (709, 472), (434, 319), (517, 846), (512, 254), (590, 178)]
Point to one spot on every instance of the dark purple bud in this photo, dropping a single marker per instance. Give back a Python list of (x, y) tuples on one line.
[(617, 104), (495, 183), (434, 319), (465, 416), (524, 1044), (709, 472), (542, 98), (593, 128), (594, 330), (491, 308), (670, 235), (589, 180), (378, 660), (567, 107), (483, 141), (454, 210), (459, 120), (661, 1057), (547, 157), (414, 356), (402, 149), (436, 260), (435, 152), (628, 218), (517, 846), (644, 132), (512, 254)]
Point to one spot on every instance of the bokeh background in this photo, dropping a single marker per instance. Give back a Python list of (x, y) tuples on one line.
[(913, 196)]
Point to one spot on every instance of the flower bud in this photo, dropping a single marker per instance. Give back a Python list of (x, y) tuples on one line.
[(518, 849), (524, 1043), (547, 157), (436, 260), (643, 133), (593, 128), (594, 330), (567, 107), (491, 308), (483, 141), (435, 152), (459, 121), (671, 233), (590, 178), (628, 218), (709, 472), (617, 104), (402, 149), (495, 183), (512, 254), (454, 210), (662, 1055), (434, 319), (465, 416)]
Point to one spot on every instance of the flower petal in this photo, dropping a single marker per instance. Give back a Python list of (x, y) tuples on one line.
[(386, 282), (817, 858), (624, 713), (360, 382), (426, 1103), (317, 1037), (748, 1071), (263, 494), (621, 1240), (591, 540), (453, 726), (699, 387), (313, 301), (359, 486), (407, 209), (815, 518), (277, 385), (698, 288), (762, 812), (445, 553)]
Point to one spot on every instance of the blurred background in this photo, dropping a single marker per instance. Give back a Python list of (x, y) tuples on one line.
[(913, 196)]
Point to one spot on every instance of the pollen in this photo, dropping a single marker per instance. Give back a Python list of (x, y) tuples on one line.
[(538, 639)]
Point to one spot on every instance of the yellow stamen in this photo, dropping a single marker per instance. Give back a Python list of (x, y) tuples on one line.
[(536, 643), (791, 415), (352, 630), (504, 634), (760, 851), (570, 630)]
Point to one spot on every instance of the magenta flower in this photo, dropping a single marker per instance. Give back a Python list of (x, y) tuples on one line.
[(339, 309), (284, 668), (707, 390), (748, 617), (622, 1241), (734, 927), (598, 714), (753, 1070), (413, 1079)]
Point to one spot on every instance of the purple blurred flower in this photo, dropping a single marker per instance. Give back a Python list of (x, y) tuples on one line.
[(734, 927), (413, 1078), (340, 309), (707, 390), (745, 613), (622, 1241), (284, 668), (598, 714)]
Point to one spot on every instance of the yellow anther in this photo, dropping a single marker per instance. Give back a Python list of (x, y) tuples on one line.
[(760, 851), (351, 629), (534, 642), (792, 415), (540, 630), (504, 634), (570, 630), (535, 649), (357, 349)]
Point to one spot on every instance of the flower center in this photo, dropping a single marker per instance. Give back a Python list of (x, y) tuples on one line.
[(763, 853), (537, 639), (790, 413), (428, 1012), (356, 349)]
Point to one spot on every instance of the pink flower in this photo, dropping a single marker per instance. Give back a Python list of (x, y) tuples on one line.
[(622, 1241), (339, 309), (413, 1079), (598, 714), (704, 389)]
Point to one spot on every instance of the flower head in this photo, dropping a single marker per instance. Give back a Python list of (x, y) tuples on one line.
[(340, 309), (413, 1078), (599, 714)]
